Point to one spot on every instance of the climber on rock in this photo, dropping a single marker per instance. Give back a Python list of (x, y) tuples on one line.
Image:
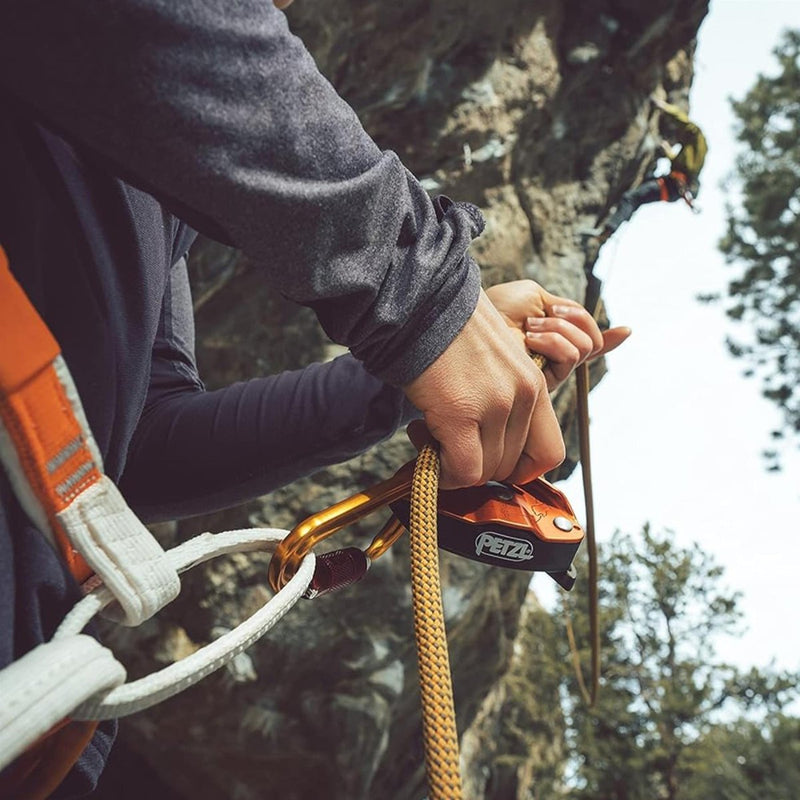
[(682, 180)]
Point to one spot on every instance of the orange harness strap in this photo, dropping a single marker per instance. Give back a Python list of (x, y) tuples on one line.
[(680, 179), (38, 772), (662, 185), (44, 437)]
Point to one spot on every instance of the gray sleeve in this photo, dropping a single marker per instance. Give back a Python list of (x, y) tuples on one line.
[(220, 112)]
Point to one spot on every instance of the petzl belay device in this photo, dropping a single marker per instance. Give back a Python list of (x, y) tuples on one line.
[(531, 527)]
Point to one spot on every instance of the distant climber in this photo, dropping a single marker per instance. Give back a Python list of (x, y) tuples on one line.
[(682, 180)]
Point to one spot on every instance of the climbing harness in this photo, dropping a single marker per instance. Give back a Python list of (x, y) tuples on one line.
[(55, 469), (58, 691)]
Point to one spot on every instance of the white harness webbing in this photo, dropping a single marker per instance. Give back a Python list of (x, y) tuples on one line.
[(56, 471), (74, 676), (166, 682), (55, 468)]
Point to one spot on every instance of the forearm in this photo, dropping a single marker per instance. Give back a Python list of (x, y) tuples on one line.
[(221, 113), (196, 452)]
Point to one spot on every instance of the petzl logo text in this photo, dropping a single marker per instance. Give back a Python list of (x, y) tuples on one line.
[(508, 548)]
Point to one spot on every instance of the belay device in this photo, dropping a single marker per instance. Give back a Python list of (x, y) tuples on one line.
[(529, 527)]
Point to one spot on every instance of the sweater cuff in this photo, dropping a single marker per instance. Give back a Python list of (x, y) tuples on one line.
[(433, 327), (434, 330)]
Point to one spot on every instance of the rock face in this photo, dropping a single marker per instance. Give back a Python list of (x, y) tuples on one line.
[(538, 112)]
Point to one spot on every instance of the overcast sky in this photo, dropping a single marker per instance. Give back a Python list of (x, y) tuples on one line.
[(677, 432)]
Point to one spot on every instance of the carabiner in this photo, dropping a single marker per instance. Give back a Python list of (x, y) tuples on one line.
[(305, 536)]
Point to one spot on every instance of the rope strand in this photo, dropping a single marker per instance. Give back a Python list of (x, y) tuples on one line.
[(436, 688)]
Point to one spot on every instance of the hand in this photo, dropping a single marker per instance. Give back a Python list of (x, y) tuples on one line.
[(560, 329), (657, 101), (668, 149), (487, 405)]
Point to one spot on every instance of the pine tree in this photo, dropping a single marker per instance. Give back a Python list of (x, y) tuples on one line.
[(746, 761), (763, 236), (663, 609)]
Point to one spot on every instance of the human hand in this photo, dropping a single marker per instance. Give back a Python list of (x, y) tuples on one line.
[(657, 101), (558, 328), (487, 405)]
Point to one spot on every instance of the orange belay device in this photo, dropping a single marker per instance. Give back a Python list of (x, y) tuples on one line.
[(529, 527)]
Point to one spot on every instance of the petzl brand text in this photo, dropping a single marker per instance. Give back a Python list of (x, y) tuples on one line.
[(508, 548)]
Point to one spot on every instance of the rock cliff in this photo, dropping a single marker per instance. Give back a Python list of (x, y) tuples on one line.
[(538, 112)]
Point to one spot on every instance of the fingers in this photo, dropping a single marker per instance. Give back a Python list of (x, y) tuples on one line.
[(506, 442), (613, 338), (530, 446), (480, 399), (517, 430), (570, 316), (544, 448), (567, 337)]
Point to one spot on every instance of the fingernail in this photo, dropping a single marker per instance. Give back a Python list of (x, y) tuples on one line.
[(535, 322), (563, 311)]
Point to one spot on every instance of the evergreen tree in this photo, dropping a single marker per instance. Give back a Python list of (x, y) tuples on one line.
[(746, 761), (662, 610), (763, 235)]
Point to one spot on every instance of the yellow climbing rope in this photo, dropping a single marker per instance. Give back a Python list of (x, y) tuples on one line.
[(440, 736), (436, 687)]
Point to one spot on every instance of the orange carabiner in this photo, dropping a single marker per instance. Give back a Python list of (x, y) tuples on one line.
[(305, 536)]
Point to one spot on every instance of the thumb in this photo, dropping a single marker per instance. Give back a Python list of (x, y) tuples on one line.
[(612, 339)]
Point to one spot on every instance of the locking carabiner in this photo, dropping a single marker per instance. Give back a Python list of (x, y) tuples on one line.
[(341, 567)]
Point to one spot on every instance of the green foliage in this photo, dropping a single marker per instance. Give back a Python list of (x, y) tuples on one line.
[(763, 234), (531, 735), (663, 690), (746, 761)]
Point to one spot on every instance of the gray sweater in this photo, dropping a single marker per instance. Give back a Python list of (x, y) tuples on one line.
[(220, 112)]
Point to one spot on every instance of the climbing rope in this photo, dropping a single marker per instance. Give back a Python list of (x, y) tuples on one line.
[(436, 687), (582, 379), (592, 305)]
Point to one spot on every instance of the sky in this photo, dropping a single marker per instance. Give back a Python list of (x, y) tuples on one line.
[(677, 431)]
